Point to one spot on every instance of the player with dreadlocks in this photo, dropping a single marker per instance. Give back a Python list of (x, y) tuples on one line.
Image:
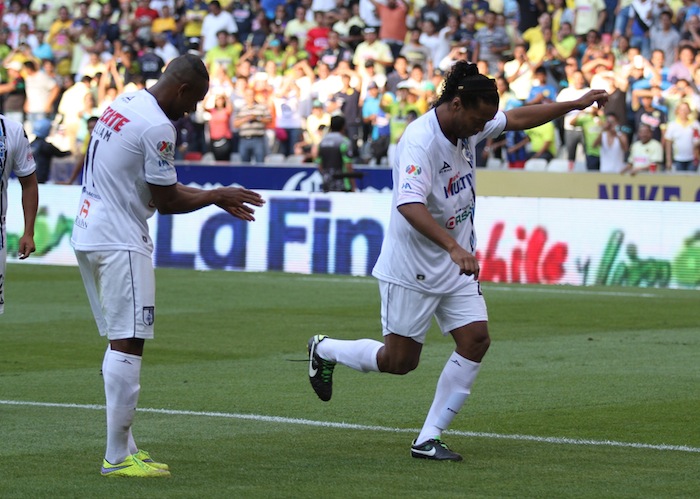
[(427, 267)]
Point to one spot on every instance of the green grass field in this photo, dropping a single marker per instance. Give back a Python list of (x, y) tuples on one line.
[(586, 392)]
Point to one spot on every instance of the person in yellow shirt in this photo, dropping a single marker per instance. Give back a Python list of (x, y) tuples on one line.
[(165, 23)]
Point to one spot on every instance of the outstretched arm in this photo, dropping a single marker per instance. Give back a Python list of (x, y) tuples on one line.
[(178, 198), (525, 117)]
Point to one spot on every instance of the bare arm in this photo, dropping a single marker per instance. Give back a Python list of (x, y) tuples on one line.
[(531, 116), (178, 198), (30, 205), (420, 218)]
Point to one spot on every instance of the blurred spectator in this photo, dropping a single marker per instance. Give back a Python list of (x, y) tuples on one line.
[(613, 145), (682, 141), (518, 72), (591, 122), (414, 51), (81, 153), (589, 15), (335, 51), (224, 54), (349, 99), (665, 37), (165, 24), (438, 42), (250, 120), (492, 41), (646, 114), (220, 133), (435, 11), (317, 37), (349, 26), (70, 107), (216, 20), (573, 135), (163, 48), (535, 39), (372, 50), (193, 18), (393, 29), (298, 26), (44, 151), (541, 92), (334, 158), (14, 92), (368, 13), (42, 92), (144, 16), (560, 14), (150, 62), (542, 140), (684, 66), (288, 116), (13, 19), (399, 74), (646, 153)]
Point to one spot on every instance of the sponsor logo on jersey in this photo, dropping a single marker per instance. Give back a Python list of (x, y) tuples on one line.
[(445, 168), (459, 217), (113, 119), (413, 170), (406, 187), (456, 184), (166, 150)]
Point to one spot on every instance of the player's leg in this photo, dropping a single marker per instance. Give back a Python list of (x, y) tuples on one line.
[(121, 290), (406, 317), (465, 317)]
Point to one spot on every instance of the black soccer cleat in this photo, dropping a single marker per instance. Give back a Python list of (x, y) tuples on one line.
[(320, 370), (434, 449)]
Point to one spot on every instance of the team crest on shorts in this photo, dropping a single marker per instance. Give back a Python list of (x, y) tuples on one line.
[(149, 315)]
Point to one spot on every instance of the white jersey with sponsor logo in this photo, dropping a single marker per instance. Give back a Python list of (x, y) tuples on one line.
[(15, 156), (132, 145), (429, 169)]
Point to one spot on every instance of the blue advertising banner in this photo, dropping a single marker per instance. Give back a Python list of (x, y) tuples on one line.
[(277, 178)]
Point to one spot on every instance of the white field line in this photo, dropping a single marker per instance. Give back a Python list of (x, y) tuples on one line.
[(349, 426), (490, 288)]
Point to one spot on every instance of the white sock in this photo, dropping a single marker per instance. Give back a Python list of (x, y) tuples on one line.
[(453, 388), (121, 373), (360, 355)]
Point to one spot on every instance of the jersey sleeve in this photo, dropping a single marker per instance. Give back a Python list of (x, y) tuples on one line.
[(413, 180), (158, 143), (22, 156), (493, 128)]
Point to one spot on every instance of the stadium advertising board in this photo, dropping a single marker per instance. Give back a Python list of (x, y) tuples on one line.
[(526, 240), (509, 183)]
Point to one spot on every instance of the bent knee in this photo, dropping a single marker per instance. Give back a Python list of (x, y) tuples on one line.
[(401, 367)]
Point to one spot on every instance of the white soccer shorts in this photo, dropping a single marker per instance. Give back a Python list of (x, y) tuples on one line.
[(409, 313), (121, 288)]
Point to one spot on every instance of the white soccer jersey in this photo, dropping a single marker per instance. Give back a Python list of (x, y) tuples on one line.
[(132, 145), (430, 170), (15, 156)]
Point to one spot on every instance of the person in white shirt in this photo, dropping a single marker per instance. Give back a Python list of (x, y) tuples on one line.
[(128, 174), (682, 140), (646, 153), (216, 20), (613, 146), (427, 266), (16, 157)]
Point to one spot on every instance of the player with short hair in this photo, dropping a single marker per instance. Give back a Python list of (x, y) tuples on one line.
[(16, 156), (427, 266), (129, 172)]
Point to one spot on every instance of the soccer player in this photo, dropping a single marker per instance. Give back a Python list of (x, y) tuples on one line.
[(16, 156), (129, 172), (427, 266)]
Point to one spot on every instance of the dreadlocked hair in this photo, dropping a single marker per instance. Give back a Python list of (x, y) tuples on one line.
[(464, 81)]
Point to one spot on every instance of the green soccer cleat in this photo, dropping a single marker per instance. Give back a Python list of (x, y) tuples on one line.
[(144, 456), (434, 449), (320, 370), (132, 467)]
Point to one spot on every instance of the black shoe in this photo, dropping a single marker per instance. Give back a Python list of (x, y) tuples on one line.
[(320, 370), (434, 449)]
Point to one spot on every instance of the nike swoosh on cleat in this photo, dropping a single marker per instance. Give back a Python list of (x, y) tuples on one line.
[(430, 452), (312, 369)]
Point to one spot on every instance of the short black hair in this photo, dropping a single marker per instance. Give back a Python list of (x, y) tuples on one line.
[(337, 123)]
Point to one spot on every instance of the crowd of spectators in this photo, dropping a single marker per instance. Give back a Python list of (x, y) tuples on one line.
[(281, 68)]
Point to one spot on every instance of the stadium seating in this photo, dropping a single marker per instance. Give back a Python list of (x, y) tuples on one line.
[(559, 165), (536, 165)]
